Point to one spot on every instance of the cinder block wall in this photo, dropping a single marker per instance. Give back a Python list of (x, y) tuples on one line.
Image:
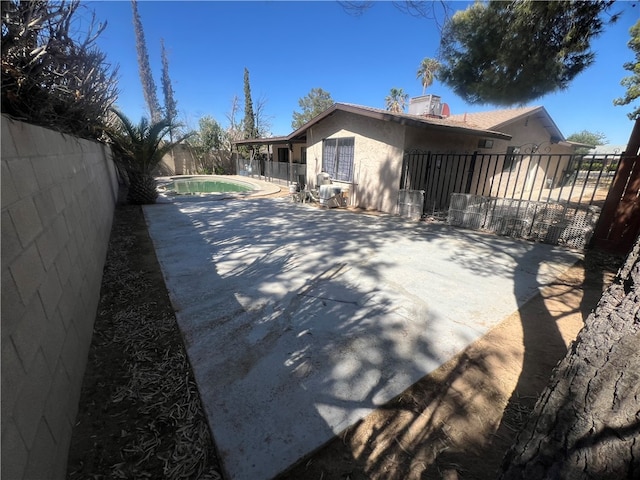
[(58, 198)]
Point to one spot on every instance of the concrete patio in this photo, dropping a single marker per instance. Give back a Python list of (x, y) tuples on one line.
[(299, 321)]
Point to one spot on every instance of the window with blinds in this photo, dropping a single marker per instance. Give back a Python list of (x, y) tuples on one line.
[(337, 158)]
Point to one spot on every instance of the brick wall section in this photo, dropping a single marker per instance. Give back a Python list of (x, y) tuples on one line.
[(58, 198)]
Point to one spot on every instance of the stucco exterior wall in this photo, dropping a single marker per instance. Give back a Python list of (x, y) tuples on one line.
[(530, 175), (58, 198), (440, 142), (378, 151)]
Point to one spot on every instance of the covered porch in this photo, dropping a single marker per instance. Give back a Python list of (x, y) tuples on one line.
[(281, 160)]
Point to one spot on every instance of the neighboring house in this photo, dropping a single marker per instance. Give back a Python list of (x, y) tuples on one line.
[(608, 149), (364, 148)]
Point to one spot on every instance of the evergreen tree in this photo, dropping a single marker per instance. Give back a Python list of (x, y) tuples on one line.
[(170, 104), (513, 52), (313, 104), (632, 82), (249, 117), (148, 85)]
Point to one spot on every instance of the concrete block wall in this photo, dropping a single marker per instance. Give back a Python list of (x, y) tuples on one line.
[(58, 199)]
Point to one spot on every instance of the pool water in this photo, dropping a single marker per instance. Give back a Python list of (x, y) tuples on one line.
[(190, 186)]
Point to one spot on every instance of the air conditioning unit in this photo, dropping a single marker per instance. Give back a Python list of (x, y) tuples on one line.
[(331, 196), (426, 105)]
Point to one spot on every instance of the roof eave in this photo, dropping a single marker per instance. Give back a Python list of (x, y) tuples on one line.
[(299, 135), (569, 143), (400, 119), (554, 131), (263, 141)]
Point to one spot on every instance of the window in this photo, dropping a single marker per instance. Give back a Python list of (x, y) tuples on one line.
[(283, 155), (337, 158), (510, 159)]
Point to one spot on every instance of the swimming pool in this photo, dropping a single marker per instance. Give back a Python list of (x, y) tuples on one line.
[(201, 185)]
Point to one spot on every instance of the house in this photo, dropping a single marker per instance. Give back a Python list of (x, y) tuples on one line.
[(365, 149)]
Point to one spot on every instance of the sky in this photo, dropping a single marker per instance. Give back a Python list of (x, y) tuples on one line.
[(290, 47)]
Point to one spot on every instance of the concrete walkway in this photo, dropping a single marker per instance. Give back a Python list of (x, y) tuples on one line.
[(299, 321)]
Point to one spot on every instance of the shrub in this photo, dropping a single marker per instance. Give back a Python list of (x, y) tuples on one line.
[(50, 78)]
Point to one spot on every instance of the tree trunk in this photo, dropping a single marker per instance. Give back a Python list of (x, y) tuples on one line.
[(142, 189), (586, 424)]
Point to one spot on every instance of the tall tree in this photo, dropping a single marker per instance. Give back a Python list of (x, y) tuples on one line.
[(234, 130), (170, 104), (513, 52), (149, 89), (207, 142), (396, 101), (263, 121), (210, 135), (427, 72), (436, 11), (313, 104), (249, 122), (632, 82)]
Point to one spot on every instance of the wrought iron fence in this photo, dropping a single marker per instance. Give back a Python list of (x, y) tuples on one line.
[(579, 179), (554, 198), (283, 173)]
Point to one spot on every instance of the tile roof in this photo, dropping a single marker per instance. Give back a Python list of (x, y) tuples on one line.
[(418, 119), (493, 119), (498, 119)]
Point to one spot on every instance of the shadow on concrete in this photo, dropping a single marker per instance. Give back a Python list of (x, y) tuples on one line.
[(301, 322), (421, 433)]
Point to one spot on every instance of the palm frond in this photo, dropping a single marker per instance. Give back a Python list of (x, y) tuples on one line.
[(139, 148)]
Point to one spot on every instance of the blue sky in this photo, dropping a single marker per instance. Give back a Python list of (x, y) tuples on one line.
[(291, 47)]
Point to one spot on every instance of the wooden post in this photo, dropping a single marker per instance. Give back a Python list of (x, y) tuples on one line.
[(619, 222)]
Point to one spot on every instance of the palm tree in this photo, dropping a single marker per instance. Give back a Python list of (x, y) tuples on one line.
[(396, 100), (137, 151), (427, 72)]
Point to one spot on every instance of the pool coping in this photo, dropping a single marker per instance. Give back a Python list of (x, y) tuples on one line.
[(260, 188)]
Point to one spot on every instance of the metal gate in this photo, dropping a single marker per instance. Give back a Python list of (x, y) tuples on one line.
[(432, 178)]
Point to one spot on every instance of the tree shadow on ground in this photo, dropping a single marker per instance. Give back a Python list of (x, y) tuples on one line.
[(276, 298), (458, 421)]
